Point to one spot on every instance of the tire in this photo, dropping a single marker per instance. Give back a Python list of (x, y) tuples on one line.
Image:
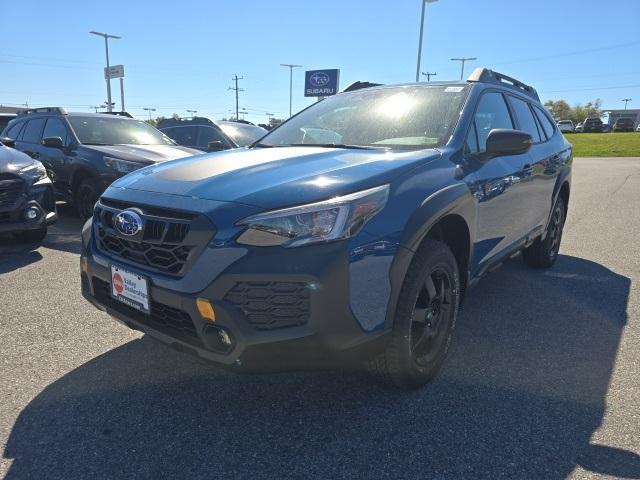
[(424, 321), (86, 196), (31, 236), (543, 253)]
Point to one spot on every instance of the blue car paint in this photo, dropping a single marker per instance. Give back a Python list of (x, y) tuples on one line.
[(504, 203)]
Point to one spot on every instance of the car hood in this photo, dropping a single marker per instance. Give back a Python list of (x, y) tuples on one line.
[(274, 177), (11, 160), (145, 153)]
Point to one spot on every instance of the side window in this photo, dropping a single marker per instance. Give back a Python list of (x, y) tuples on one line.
[(547, 125), (33, 130), (14, 131), (492, 112), (55, 128), (525, 118), (182, 135), (209, 134)]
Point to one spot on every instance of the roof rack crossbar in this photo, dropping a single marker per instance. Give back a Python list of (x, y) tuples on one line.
[(489, 76), (28, 111)]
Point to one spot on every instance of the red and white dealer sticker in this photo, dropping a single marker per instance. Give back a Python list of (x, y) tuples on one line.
[(130, 288)]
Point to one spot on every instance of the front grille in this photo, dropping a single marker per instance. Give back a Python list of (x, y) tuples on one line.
[(163, 318), (11, 187), (271, 305), (166, 245)]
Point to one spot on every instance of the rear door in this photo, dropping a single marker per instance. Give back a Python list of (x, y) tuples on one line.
[(30, 137), (496, 184), (537, 174)]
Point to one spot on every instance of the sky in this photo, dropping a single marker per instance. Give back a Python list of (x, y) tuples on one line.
[(182, 55)]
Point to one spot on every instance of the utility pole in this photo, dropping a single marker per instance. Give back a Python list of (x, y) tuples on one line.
[(106, 49), (429, 75), (235, 79), (149, 110), (291, 66), (424, 6), (96, 107), (462, 61), (626, 100)]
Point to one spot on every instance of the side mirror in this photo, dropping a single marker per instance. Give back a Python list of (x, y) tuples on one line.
[(53, 142), (9, 142), (215, 146), (502, 142)]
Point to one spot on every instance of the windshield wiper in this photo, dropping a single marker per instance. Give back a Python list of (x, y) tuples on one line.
[(326, 145)]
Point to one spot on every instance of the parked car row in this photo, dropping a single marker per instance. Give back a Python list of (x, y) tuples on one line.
[(595, 125), (83, 153)]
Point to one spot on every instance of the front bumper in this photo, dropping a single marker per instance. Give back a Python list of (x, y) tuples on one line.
[(39, 197), (282, 309)]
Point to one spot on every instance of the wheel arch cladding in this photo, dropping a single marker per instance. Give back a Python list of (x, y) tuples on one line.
[(444, 216), (565, 190), (79, 174)]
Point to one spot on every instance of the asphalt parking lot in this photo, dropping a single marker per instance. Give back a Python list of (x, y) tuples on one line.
[(542, 381)]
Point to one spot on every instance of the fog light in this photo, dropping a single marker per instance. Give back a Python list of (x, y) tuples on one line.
[(224, 338), (32, 213), (205, 309)]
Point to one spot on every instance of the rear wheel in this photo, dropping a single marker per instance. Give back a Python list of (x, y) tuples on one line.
[(86, 196), (543, 253), (425, 318), (31, 236)]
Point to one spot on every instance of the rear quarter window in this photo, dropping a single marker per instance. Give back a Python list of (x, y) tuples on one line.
[(547, 125)]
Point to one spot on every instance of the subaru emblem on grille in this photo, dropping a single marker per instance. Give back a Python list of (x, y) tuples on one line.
[(128, 222)]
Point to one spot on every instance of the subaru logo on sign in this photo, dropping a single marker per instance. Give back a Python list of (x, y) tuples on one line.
[(321, 83), (319, 79), (128, 222)]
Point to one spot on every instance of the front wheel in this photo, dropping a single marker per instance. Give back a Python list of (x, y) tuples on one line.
[(425, 318), (86, 196)]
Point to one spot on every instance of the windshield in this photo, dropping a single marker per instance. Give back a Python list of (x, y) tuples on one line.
[(116, 131), (241, 133), (401, 117)]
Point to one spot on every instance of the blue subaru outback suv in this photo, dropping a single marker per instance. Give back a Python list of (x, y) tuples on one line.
[(349, 233)]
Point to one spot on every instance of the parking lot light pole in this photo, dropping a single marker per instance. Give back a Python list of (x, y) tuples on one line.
[(626, 100), (462, 61), (291, 67), (424, 7), (149, 110), (106, 37), (429, 75), (192, 112)]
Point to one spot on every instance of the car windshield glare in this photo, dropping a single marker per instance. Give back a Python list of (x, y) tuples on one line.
[(116, 131), (413, 116)]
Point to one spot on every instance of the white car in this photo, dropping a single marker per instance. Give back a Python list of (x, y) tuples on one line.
[(566, 126)]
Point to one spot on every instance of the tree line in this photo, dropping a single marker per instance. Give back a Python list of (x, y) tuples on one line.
[(561, 110)]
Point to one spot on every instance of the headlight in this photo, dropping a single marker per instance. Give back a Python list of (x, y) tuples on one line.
[(335, 219), (122, 166), (35, 171)]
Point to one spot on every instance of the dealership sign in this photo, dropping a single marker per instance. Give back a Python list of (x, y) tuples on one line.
[(321, 83), (114, 71)]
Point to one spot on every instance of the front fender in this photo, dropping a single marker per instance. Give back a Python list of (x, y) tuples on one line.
[(453, 199)]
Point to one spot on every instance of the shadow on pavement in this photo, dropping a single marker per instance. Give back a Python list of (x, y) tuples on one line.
[(522, 392)]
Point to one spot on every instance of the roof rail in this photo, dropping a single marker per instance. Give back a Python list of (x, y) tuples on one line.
[(119, 114), (357, 85), (29, 111), (172, 122), (485, 75)]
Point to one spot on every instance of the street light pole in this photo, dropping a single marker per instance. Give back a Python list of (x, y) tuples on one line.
[(192, 112), (462, 61), (149, 110), (106, 37), (291, 67), (626, 100), (424, 7)]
